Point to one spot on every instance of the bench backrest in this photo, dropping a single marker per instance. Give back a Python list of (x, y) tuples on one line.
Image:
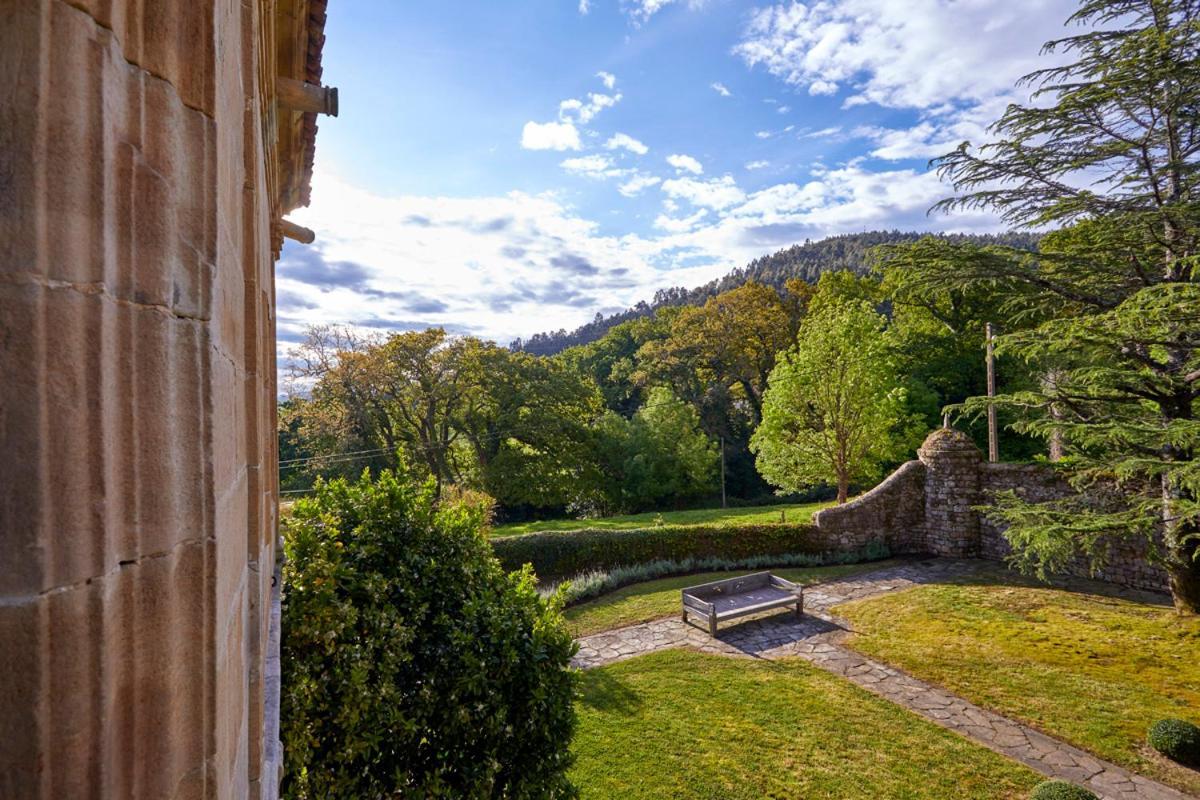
[(730, 586)]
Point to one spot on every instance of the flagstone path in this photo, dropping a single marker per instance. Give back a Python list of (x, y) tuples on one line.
[(816, 637)]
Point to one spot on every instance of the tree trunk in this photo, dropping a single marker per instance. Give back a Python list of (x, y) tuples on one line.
[(1182, 544), (843, 484), (1184, 577)]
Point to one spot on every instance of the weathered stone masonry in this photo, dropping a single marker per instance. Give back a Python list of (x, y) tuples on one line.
[(144, 169), (929, 506)]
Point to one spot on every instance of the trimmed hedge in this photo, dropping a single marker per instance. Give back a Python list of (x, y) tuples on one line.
[(1177, 739), (564, 554), (1060, 790)]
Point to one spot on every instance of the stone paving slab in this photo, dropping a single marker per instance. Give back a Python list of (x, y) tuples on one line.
[(815, 638)]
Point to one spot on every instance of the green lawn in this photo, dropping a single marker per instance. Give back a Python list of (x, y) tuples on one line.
[(680, 724), (642, 602), (795, 512), (1088, 668)]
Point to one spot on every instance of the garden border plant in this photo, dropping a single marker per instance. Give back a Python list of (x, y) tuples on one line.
[(558, 555), (597, 582)]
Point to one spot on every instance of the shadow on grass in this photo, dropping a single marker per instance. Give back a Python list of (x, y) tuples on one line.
[(602, 691), (995, 573)]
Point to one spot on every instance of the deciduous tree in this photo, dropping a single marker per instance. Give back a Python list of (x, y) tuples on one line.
[(834, 409)]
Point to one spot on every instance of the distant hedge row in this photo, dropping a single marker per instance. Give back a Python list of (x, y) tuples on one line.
[(564, 554)]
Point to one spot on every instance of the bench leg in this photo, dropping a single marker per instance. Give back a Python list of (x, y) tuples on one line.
[(712, 626), (684, 616)]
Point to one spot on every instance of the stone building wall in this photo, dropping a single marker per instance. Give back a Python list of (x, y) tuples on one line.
[(137, 399), (930, 506)]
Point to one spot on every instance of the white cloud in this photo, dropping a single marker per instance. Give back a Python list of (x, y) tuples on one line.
[(593, 165), (720, 89), (784, 109), (626, 142), (607, 78), (763, 134), (833, 130), (514, 264), (638, 183), (642, 10), (584, 7), (550, 136), (685, 163), (904, 53), (677, 225), (574, 110), (716, 193), (757, 164)]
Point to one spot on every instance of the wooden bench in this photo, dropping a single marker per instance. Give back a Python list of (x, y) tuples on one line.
[(737, 597)]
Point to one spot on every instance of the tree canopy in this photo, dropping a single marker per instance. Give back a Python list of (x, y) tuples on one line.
[(834, 409)]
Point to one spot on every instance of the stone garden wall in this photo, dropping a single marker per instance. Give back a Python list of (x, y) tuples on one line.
[(893, 511), (929, 506)]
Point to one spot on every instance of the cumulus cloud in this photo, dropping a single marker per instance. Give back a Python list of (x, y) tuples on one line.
[(685, 163), (637, 184), (596, 166), (584, 111), (680, 224), (550, 136), (714, 193), (584, 6), (624, 141), (514, 264), (564, 134), (757, 164), (642, 10), (720, 89), (903, 53)]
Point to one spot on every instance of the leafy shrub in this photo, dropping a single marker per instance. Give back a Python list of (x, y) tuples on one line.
[(561, 554), (1176, 739), (1060, 790), (597, 582), (413, 664)]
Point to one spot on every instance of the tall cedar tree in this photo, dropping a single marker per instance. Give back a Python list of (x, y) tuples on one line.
[(1107, 151)]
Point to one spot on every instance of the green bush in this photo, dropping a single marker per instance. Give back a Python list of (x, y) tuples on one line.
[(562, 554), (1176, 739), (1060, 790), (413, 664)]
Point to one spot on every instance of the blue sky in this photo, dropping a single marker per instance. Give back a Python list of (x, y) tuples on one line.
[(506, 167)]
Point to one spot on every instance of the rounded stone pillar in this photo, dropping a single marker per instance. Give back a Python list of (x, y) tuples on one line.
[(952, 464)]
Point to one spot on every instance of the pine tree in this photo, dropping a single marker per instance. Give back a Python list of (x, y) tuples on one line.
[(1107, 150)]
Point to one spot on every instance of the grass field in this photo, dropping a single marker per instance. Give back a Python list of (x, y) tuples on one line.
[(690, 726), (1090, 669), (795, 512), (642, 602)]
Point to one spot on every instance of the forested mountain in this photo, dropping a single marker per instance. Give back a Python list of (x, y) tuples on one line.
[(806, 261)]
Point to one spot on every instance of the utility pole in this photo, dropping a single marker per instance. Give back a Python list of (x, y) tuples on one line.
[(722, 472), (993, 443)]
